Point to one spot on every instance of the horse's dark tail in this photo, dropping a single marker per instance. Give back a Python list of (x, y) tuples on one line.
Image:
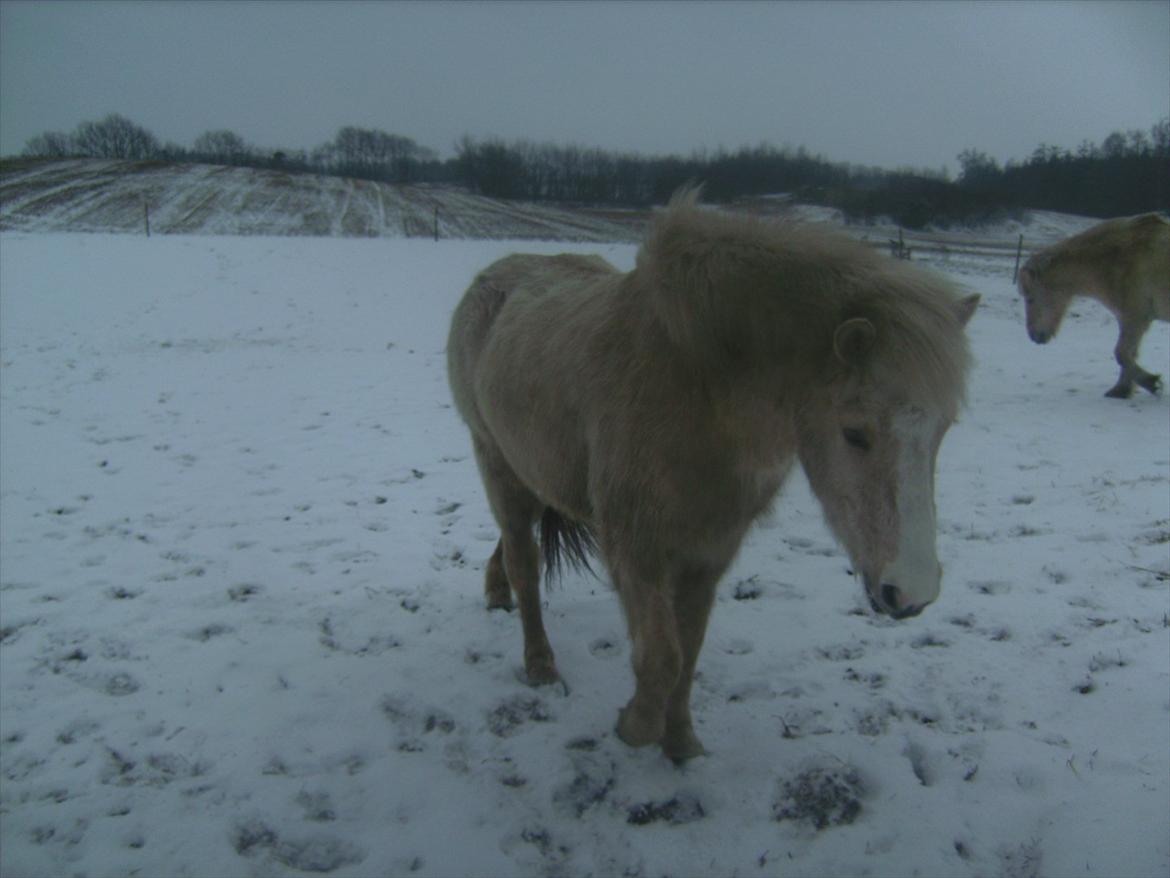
[(565, 543)]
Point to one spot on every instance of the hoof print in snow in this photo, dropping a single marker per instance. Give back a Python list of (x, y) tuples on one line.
[(156, 770), (604, 647), (820, 797), (437, 721), (1104, 661), (541, 839), (593, 778), (318, 807), (509, 717), (121, 593), (119, 685), (207, 632), (242, 592), (321, 854), (873, 681), (252, 835), (990, 586), (928, 640), (414, 723), (849, 652), (1022, 861), (747, 590), (677, 810), (317, 854)]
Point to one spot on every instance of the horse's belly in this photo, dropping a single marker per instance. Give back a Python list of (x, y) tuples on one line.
[(534, 387), (544, 446)]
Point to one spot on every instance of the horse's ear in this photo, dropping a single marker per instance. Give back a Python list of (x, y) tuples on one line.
[(965, 309), (853, 340)]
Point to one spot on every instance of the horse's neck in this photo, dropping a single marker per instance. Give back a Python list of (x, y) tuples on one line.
[(1072, 275)]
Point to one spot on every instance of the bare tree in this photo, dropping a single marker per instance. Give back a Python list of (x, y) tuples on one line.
[(114, 137), (51, 144), (1160, 135), (365, 152), (222, 147)]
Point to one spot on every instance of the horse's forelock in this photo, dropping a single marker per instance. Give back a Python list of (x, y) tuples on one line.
[(928, 350)]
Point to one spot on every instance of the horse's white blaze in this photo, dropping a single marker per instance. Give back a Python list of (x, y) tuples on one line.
[(915, 569)]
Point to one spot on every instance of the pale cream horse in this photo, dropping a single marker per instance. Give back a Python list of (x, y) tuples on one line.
[(658, 412), (1122, 263)]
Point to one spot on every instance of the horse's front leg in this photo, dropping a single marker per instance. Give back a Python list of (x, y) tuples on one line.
[(692, 607), (657, 660), (1128, 342)]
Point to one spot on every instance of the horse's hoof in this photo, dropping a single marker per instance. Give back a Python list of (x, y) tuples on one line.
[(1151, 383), (636, 732), (542, 672), (1119, 392), (496, 603), (686, 748)]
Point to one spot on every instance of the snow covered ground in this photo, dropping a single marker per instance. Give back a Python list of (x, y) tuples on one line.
[(242, 543)]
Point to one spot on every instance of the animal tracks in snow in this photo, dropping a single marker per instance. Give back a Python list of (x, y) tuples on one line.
[(242, 624)]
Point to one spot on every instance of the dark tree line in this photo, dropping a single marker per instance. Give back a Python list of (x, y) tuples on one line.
[(594, 176), (354, 152), (1126, 174)]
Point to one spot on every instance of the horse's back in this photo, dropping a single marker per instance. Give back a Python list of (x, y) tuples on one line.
[(520, 279), (1151, 248)]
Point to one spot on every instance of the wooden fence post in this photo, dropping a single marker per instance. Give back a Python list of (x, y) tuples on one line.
[(436, 222), (898, 249), (146, 215), (1019, 251)]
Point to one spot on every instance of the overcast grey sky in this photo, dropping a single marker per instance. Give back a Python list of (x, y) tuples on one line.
[(888, 84)]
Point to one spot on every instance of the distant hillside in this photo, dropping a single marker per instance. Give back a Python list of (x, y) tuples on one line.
[(92, 195), (96, 195)]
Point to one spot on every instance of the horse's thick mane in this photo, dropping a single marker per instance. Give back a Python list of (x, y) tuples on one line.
[(728, 286)]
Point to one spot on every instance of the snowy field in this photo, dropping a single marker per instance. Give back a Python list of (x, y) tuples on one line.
[(242, 543)]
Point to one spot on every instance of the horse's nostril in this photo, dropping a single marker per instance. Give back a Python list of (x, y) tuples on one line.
[(892, 604)]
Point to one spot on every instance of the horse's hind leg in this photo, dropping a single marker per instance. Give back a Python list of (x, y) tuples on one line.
[(516, 561), (495, 583), (1125, 353)]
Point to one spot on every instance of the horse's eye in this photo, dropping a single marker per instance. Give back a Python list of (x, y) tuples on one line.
[(856, 438)]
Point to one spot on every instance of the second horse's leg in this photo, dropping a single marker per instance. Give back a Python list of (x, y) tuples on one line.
[(1125, 353)]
